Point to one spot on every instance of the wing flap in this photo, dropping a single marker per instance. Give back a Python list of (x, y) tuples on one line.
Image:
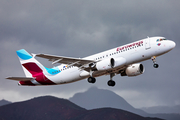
[(20, 78)]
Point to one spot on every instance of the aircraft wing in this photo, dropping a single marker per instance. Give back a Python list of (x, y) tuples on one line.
[(79, 62), (21, 78)]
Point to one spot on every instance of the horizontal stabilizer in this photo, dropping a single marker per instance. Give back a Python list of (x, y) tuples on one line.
[(21, 78)]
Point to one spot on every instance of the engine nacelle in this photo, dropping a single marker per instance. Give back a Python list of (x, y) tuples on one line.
[(118, 62), (133, 70), (110, 63)]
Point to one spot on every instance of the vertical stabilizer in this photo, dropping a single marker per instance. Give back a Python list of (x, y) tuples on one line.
[(29, 64)]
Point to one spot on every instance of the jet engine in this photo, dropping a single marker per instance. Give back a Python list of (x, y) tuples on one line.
[(133, 70), (110, 63)]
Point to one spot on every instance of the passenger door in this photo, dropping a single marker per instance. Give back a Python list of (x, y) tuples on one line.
[(147, 43)]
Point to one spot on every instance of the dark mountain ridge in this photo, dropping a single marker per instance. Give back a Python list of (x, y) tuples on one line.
[(41, 107), (100, 98), (49, 107), (4, 102)]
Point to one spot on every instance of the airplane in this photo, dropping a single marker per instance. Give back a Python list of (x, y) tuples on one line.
[(123, 60)]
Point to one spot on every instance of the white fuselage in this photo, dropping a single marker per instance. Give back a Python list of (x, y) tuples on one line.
[(133, 53)]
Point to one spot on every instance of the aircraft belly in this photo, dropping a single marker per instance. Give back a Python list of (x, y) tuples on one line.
[(99, 73)]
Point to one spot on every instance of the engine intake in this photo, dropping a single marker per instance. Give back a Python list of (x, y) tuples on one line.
[(133, 70)]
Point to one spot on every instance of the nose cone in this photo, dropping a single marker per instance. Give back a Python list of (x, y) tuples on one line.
[(172, 44)]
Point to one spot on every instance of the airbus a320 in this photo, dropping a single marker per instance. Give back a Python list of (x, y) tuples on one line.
[(123, 60)]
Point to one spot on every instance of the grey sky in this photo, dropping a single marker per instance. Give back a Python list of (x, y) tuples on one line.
[(81, 28)]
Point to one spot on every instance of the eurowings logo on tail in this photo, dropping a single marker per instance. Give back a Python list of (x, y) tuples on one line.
[(23, 54), (32, 68)]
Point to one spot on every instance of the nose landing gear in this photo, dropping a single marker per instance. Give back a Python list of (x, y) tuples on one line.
[(154, 61), (155, 65)]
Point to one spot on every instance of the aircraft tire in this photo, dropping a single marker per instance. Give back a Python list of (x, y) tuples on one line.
[(155, 65), (111, 83), (91, 80)]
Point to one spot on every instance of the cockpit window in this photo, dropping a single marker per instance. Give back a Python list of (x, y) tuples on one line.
[(161, 39)]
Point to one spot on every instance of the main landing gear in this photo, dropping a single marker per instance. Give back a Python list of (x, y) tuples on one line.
[(111, 82), (91, 80), (154, 61)]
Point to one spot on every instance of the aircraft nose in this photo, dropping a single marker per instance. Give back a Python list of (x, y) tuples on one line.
[(173, 44)]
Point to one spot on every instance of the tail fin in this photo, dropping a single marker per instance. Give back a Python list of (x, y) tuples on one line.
[(29, 64), (33, 70)]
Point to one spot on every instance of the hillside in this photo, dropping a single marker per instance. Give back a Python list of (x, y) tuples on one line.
[(99, 98), (53, 108), (4, 102), (46, 108)]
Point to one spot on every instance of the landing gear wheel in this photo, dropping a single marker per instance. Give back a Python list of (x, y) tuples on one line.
[(111, 83), (155, 65), (91, 80)]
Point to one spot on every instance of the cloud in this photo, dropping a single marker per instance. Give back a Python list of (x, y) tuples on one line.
[(81, 28)]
